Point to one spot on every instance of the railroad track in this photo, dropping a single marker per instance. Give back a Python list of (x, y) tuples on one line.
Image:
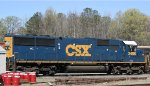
[(93, 74), (135, 85), (75, 79), (82, 81), (85, 79)]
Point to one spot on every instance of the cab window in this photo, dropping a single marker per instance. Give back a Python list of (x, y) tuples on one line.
[(132, 48)]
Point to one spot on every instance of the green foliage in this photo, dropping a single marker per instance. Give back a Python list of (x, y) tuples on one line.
[(89, 20), (133, 23), (34, 24), (89, 17), (129, 25), (50, 22), (2, 31)]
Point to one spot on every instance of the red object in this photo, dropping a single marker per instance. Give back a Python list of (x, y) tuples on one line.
[(8, 72), (16, 80), (27, 77), (22, 76), (2, 44), (32, 77), (11, 73), (16, 73), (2, 76), (7, 80)]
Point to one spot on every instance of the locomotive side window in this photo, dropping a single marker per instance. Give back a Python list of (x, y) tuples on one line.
[(102, 42), (24, 41), (132, 48), (45, 42)]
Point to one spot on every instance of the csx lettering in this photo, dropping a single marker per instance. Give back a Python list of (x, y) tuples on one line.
[(131, 53), (77, 50)]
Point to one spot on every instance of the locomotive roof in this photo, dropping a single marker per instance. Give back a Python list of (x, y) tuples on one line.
[(130, 42), (48, 36), (30, 36), (51, 37)]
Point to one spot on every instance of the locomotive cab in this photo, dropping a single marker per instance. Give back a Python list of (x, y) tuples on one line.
[(132, 52), (131, 47)]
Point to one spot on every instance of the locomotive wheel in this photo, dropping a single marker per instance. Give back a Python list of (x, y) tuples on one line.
[(37, 72), (109, 70), (140, 71), (53, 70), (115, 71), (51, 73), (129, 71)]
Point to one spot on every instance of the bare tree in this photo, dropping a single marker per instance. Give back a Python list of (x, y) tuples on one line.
[(50, 22), (12, 23), (61, 27), (74, 25)]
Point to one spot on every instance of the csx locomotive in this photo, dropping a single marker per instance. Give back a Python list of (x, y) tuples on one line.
[(50, 55)]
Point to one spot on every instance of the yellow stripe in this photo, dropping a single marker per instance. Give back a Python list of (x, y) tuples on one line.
[(80, 62)]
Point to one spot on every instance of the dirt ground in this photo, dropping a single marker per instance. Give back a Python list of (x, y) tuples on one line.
[(51, 80)]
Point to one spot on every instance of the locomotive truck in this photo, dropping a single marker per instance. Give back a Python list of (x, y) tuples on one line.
[(50, 55)]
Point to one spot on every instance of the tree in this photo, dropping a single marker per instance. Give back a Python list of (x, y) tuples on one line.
[(105, 26), (22, 30), (89, 20), (35, 25), (133, 24), (50, 22), (12, 23), (115, 28), (74, 29), (2, 31), (61, 25)]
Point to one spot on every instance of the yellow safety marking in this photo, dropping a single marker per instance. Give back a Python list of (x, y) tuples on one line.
[(80, 62), (9, 46)]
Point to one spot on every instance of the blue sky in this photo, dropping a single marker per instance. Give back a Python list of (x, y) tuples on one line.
[(26, 8)]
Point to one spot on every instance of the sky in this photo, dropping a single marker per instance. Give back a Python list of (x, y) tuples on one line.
[(24, 9)]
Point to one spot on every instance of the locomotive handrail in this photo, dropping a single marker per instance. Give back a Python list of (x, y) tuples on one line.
[(144, 47)]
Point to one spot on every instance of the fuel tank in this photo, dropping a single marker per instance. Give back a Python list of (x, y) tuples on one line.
[(87, 69)]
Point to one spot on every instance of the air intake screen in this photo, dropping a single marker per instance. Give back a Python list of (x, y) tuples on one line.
[(24, 41), (45, 42), (102, 42)]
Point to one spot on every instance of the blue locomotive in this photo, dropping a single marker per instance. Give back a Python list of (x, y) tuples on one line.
[(50, 55)]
